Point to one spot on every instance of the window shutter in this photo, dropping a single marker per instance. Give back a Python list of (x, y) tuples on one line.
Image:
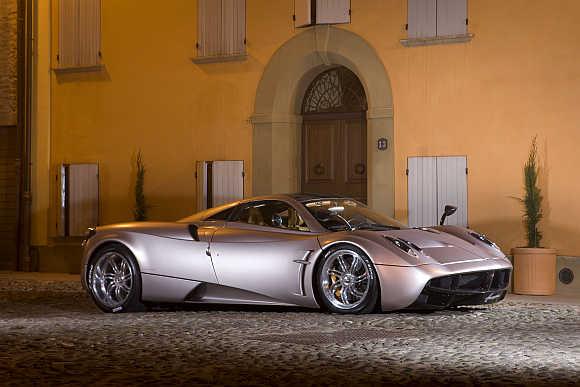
[(421, 18), (79, 33), (302, 13), (451, 17), (332, 11), (234, 26), (79, 198), (452, 188), (422, 191), (209, 21), (89, 32)]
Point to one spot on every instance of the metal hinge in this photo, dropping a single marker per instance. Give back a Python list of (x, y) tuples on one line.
[(243, 174), (466, 21), (349, 12), (407, 171), (294, 17), (466, 171), (407, 27)]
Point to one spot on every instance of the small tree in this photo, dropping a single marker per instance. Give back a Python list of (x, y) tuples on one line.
[(140, 210), (532, 201)]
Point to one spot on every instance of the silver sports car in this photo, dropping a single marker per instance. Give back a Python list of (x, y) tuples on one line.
[(303, 250)]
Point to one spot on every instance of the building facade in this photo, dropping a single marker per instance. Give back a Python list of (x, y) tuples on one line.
[(156, 81)]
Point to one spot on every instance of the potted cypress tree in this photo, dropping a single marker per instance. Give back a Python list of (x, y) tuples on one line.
[(534, 265)]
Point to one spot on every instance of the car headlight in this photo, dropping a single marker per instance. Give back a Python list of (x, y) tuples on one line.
[(91, 231), (405, 246), (484, 239)]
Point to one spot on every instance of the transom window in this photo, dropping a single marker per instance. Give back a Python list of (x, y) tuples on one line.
[(335, 90), (272, 213)]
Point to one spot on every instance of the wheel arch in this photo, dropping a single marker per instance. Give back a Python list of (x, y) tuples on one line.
[(320, 258)]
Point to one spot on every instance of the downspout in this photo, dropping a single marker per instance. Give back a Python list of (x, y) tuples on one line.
[(25, 82)]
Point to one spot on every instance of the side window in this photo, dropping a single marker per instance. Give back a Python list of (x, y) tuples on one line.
[(271, 214), (222, 215)]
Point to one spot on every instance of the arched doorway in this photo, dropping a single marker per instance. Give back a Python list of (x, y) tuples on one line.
[(334, 133), (277, 117)]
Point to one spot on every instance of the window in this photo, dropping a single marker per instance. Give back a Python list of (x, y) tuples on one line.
[(436, 21), (78, 199), (79, 35), (311, 12), (221, 26), (271, 214), (223, 215)]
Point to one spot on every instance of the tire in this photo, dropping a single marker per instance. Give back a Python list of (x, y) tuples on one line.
[(114, 280), (346, 281)]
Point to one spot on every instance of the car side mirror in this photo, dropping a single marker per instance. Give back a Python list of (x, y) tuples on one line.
[(448, 211)]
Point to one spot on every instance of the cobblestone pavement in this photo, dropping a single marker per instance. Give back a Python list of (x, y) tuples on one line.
[(50, 333)]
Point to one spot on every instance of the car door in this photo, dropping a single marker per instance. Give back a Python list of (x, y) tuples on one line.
[(264, 249)]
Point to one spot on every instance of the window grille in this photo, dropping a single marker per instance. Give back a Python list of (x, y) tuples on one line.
[(335, 90)]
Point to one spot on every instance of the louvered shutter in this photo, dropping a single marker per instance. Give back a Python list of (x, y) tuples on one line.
[(302, 13), (452, 188), (421, 18), (422, 191), (234, 26), (79, 33), (209, 27), (221, 28), (451, 17), (332, 11)]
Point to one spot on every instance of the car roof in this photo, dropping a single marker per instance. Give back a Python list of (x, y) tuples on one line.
[(307, 196)]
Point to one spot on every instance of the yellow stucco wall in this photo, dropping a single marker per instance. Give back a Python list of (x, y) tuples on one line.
[(518, 77)]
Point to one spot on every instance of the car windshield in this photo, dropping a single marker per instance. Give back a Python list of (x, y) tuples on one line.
[(348, 214)]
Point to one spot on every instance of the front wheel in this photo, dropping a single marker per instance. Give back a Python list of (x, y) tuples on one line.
[(114, 280), (347, 281)]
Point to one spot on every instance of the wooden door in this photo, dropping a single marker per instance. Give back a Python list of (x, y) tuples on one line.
[(334, 157), (9, 191)]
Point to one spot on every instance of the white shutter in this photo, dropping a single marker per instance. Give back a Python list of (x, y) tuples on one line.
[(452, 188), (201, 185), (422, 191), (89, 32), (227, 181), (421, 18), (79, 33), (451, 17), (302, 13), (233, 27), (332, 11), (79, 198), (209, 31)]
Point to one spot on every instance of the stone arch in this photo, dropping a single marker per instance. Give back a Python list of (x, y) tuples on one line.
[(277, 121)]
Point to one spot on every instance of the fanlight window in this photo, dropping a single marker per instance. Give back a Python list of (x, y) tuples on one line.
[(337, 90)]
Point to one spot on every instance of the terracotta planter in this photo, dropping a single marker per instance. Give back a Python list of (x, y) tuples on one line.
[(534, 271)]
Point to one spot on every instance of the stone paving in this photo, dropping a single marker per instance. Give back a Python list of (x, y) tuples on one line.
[(50, 333)]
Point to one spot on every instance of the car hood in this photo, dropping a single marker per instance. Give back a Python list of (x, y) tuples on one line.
[(434, 246)]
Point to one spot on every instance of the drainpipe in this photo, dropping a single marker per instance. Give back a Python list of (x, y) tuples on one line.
[(25, 82)]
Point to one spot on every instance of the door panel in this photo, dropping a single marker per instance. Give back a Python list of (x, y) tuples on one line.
[(262, 260), (334, 157), (319, 151)]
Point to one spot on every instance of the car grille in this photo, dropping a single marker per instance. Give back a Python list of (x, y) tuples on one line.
[(476, 282), (475, 288)]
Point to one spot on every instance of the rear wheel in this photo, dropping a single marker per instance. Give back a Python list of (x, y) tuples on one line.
[(114, 280), (347, 281)]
